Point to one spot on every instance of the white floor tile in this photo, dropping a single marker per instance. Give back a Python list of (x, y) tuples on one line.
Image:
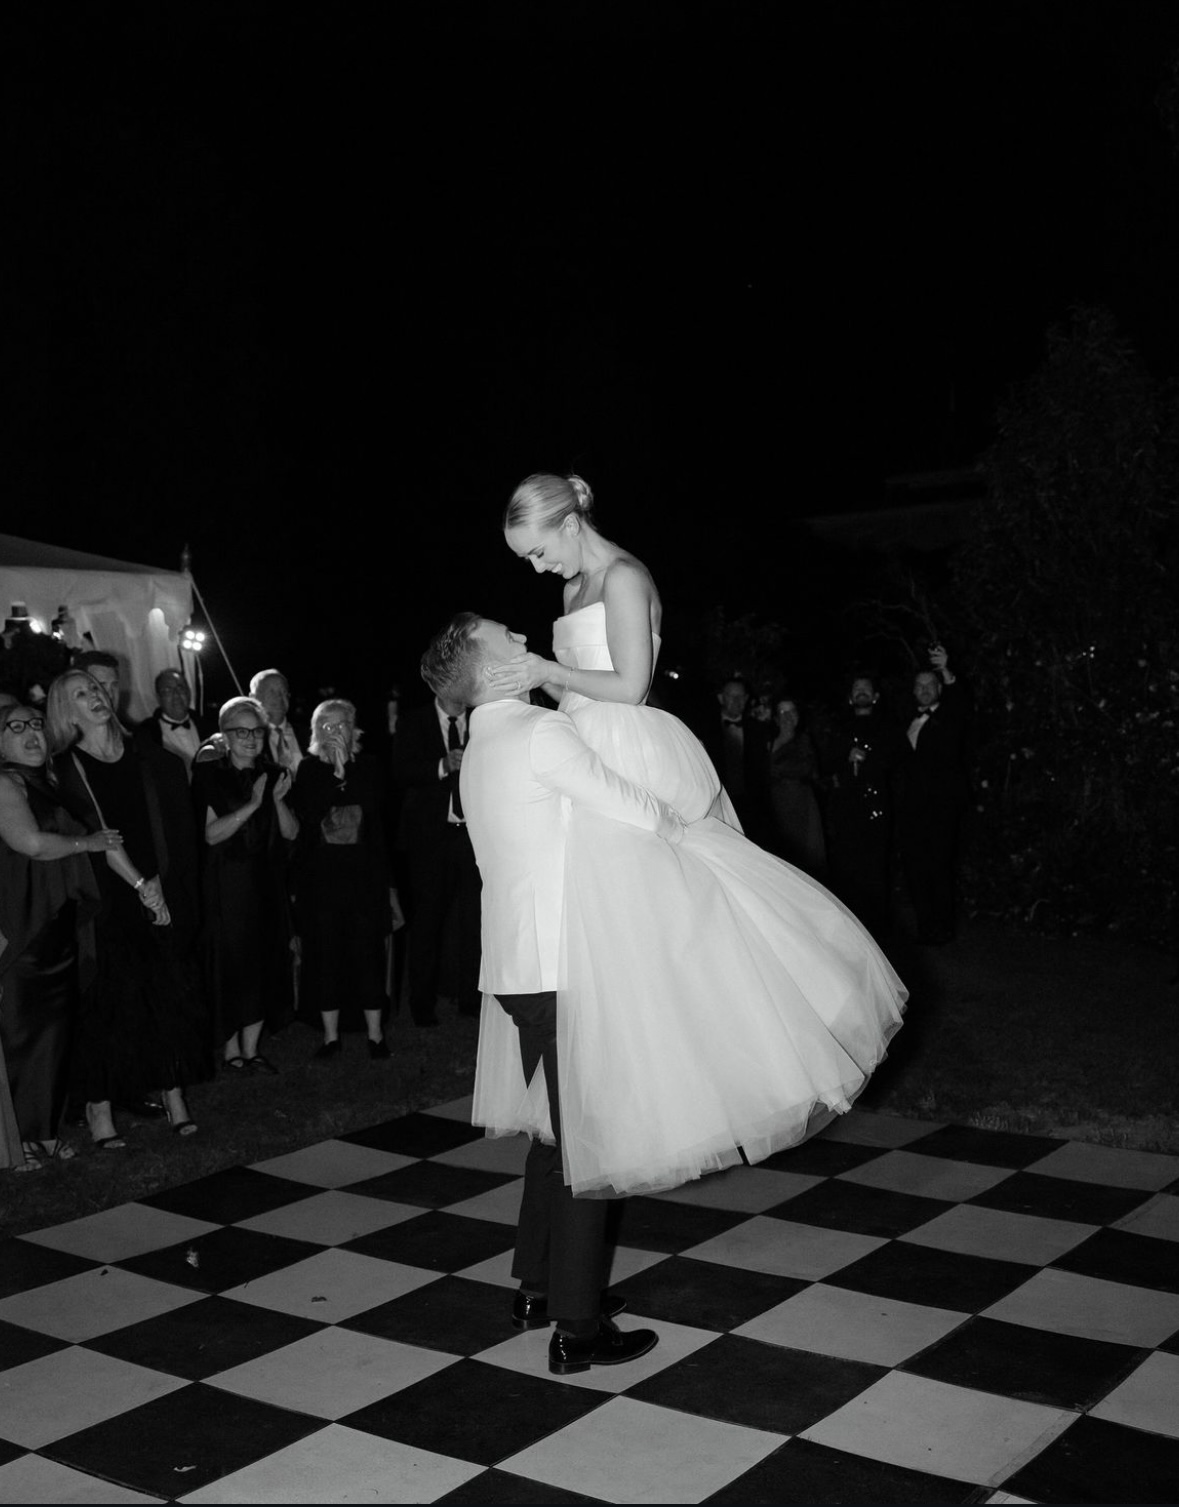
[(864, 1128), (331, 1217), (456, 1109), (72, 1389), (629, 1451), (785, 1249), (529, 1354), (1148, 1398), (1151, 1170), (118, 1234), (926, 1176), (339, 1464), (500, 1205), (496, 1269), (1001, 1235), (92, 1303), (331, 1373), (33, 1479), (852, 1325), (332, 1285), (1158, 1217), (944, 1430), (743, 1189), (333, 1164), (505, 1153), (1068, 1303)]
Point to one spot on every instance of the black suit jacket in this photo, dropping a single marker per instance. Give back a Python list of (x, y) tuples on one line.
[(753, 802), (934, 775), (150, 730), (418, 748)]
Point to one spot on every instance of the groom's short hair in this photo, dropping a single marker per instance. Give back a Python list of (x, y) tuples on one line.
[(451, 662)]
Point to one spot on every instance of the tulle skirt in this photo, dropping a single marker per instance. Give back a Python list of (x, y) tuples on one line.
[(712, 999)]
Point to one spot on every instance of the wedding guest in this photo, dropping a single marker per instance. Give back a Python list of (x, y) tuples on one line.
[(48, 897), (173, 725), (142, 1023), (103, 668), (270, 687), (346, 904), (240, 799), (794, 771), (738, 744)]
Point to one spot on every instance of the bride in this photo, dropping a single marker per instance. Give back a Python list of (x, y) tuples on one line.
[(714, 1000)]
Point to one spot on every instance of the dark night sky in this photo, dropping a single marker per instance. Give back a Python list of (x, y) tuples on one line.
[(313, 286)]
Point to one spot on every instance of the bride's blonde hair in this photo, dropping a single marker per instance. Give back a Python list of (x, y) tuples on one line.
[(547, 501)]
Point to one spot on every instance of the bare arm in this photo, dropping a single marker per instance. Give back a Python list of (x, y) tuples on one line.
[(631, 603), (22, 834)]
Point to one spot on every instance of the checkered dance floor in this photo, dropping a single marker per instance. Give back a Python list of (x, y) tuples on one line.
[(895, 1312)]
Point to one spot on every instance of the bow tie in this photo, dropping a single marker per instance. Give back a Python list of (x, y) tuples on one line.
[(167, 721), (731, 721)]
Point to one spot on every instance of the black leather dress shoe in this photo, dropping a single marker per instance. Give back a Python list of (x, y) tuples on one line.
[(531, 1310), (611, 1346)]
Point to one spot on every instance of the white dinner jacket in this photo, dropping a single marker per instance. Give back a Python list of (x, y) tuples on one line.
[(522, 767)]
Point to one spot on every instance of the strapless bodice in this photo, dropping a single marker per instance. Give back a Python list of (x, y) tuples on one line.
[(579, 639)]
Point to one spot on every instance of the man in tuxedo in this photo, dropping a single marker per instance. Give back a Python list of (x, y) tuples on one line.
[(440, 870), (522, 766), (738, 743), (173, 726), (271, 689), (934, 790)]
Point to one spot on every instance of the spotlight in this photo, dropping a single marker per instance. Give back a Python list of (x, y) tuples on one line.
[(192, 640)]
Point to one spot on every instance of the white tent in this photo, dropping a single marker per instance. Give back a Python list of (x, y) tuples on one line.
[(134, 611)]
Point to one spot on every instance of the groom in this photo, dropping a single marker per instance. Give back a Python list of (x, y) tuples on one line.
[(521, 767)]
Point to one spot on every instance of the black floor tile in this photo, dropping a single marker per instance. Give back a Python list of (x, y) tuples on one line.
[(656, 1224), (497, 1487), (1035, 1365), (221, 1259), (756, 1385), (17, 1346), (860, 1209), (10, 1451), (1096, 1461), (940, 1279), (991, 1148), (802, 1474), (437, 1241), (703, 1293), (175, 1444), (1061, 1198), (820, 1158), (232, 1194), (25, 1264), (1119, 1256), (204, 1338), (475, 1412), (452, 1314), (416, 1135), (1171, 1346), (432, 1185)]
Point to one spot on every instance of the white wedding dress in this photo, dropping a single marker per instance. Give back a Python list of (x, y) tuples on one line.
[(711, 996)]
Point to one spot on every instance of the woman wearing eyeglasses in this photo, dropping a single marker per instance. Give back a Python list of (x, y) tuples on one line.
[(347, 908), (48, 897), (241, 804), (142, 1025)]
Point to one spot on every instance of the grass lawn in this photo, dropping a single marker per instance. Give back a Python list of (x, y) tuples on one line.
[(1005, 1030)]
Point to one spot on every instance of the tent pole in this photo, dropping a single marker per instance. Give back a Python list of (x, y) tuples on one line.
[(217, 637)]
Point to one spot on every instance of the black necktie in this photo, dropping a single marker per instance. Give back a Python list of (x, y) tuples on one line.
[(453, 740)]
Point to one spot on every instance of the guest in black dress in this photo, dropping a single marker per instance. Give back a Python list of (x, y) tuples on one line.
[(142, 1024), (48, 897), (241, 806), (346, 907)]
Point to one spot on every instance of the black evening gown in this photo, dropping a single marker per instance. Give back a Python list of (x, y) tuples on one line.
[(46, 910), (142, 1023), (341, 886), (246, 935)]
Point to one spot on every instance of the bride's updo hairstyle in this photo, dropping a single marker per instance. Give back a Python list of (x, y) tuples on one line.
[(547, 501)]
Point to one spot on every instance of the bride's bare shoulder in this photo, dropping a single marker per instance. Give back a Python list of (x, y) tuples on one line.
[(629, 581)]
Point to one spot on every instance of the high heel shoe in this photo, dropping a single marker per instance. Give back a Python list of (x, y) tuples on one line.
[(60, 1151), (187, 1126)]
